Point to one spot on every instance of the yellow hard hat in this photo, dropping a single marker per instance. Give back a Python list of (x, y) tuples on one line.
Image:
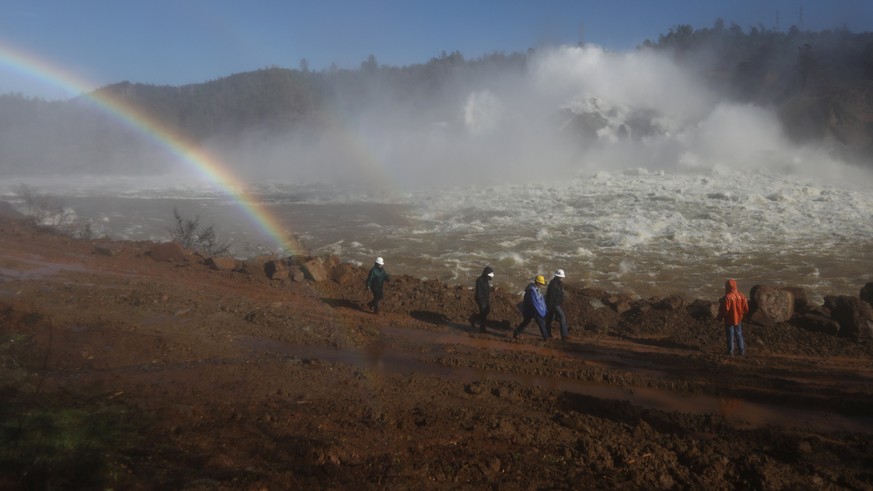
[(540, 280)]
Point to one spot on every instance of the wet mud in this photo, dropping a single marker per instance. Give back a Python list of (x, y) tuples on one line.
[(231, 380)]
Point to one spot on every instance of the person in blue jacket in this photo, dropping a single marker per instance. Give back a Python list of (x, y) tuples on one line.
[(534, 307)]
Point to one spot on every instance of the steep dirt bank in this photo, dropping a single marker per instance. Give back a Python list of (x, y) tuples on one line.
[(186, 377)]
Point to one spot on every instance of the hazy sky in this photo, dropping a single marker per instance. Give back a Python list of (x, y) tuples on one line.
[(176, 42)]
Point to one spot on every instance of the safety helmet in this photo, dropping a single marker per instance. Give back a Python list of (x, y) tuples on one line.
[(380, 261), (559, 273), (540, 280)]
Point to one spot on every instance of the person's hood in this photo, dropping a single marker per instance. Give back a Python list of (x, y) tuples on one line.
[(488, 270), (730, 286)]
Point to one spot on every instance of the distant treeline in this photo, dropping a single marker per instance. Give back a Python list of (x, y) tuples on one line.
[(820, 84)]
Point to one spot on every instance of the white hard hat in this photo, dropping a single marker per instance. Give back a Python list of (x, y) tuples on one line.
[(559, 273), (380, 261)]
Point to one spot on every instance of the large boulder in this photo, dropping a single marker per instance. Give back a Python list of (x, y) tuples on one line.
[(770, 304), (102, 250), (343, 273), (619, 302), (222, 263), (703, 309), (276, 269), (854, 315), (801, 299), (867, 293), (673, 303), (818, 323), (315, 270), (168, 252)]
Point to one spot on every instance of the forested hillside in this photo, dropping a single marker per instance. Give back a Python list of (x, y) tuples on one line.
[(820, 84)]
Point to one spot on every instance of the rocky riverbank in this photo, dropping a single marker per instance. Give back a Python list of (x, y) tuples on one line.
[(143, 366)]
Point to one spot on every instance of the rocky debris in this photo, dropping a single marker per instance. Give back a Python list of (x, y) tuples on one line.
[(854, 316), (222, 263), (276, 269), (168, 252), (346, 273), (619, 302), (297, 276), (769, 305), (867, 293), (102, 251), (703, 309), (801, 299), (818, 323), (315, 270), (332, 261), (341, 397), (673, 302)]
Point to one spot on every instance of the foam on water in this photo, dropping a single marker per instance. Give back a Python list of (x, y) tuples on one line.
[(645, 232)]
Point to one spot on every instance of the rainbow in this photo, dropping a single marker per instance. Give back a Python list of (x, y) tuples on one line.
[(205, 164)]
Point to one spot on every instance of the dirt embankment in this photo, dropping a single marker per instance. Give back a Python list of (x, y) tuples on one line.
[(126, 372)]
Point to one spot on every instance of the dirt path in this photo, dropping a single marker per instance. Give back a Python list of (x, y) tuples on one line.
[(190, 378)]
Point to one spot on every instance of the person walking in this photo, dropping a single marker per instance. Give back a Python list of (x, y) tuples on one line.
[(732, 308), (533, 307), (554, 300), (375, 283), (483, 297)]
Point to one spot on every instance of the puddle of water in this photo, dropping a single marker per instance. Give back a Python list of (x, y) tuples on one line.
[(379, 358)]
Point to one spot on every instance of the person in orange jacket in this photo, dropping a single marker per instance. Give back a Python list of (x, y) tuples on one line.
[(732, 308)]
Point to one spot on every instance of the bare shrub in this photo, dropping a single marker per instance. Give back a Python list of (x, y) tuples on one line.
[(45, 210), (191, 235)]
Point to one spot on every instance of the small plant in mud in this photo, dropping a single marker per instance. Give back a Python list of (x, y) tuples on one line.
[(190, 234)]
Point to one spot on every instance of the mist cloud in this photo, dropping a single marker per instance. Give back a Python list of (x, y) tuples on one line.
[(571, 112)]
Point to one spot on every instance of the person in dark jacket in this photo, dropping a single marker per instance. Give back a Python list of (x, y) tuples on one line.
[(483, 297), (375, 283), (533, 307), (554, 300)]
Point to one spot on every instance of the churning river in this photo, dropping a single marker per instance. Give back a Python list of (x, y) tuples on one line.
[(649, 233)]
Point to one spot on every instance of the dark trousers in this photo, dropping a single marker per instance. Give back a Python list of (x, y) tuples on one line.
[(484, 310), (544, 329), (558, 312), (378, 294)]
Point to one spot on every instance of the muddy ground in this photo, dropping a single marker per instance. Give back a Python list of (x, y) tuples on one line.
[(121, 371)]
